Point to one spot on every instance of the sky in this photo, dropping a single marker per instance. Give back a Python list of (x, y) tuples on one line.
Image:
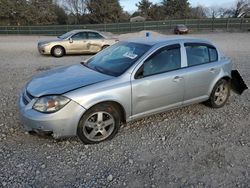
[(129, 5)]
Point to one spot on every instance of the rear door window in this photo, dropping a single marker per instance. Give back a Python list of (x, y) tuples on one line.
[(198, 54), (94, 35)]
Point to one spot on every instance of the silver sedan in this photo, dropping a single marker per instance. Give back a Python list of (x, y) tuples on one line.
[(127, 81)]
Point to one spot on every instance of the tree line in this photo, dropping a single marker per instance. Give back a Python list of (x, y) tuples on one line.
[(181, 9), (48, 12)]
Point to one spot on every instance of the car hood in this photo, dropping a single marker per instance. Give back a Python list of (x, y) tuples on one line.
[(41, 42), (62, 80)]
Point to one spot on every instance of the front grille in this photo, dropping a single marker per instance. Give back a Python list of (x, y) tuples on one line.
[(27, 97), (25, 101)]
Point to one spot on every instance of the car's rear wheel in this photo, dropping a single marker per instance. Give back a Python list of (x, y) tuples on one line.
[(57, 51), (220, 94), (99, 123)]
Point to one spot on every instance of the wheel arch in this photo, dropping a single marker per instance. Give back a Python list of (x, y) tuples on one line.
[(57, 45), (224, 77), (116, 104), (227, 78)]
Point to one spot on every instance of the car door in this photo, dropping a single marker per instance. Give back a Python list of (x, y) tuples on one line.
[(95, 42), (158, 84), (78, 43), (202, 69)]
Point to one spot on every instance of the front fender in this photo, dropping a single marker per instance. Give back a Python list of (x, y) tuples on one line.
[(103, 92)]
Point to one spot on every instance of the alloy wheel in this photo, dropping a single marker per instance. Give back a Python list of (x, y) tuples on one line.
[(58, 51), (221, 93), (99, 126)]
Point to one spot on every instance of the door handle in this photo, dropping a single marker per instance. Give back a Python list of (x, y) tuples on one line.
[(212, 70), (177, 78)]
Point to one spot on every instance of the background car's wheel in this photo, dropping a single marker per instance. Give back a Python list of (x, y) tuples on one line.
[(57, 51), (105, 46), (220, 94), (99, 123)]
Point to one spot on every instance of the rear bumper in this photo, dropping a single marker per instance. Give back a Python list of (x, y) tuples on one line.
[(60, 124)]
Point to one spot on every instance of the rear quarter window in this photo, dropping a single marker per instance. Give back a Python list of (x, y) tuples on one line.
[(213, 54)]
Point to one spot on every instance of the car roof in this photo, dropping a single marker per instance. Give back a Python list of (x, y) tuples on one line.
[(85, 30), (181, 25), (164, 40), (89, 30)]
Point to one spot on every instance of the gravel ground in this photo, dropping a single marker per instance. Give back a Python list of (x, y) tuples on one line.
[(193, 146)]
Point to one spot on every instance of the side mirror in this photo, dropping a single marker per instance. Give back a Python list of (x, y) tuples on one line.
[(70, 40)]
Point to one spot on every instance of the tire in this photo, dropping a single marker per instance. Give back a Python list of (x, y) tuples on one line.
[(105, 46), (219, 95), (90, 130), (57, 51)]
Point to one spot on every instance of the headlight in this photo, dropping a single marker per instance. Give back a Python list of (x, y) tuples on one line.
[(43, 44), (49, 104)]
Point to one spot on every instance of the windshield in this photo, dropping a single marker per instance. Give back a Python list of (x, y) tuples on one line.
[(116, 59), (182, 26), (66, 35)]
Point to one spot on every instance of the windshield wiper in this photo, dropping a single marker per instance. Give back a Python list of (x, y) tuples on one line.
[(100, 69), (92, 68), (104, 71), (84, 63)]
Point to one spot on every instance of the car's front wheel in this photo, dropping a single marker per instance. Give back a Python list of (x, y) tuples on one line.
[(99, 123), (57, 51), (220, 94)]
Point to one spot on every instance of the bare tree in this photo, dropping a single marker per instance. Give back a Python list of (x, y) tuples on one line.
[(77, 8), (199, 12), (215, 12), (241, 9)]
